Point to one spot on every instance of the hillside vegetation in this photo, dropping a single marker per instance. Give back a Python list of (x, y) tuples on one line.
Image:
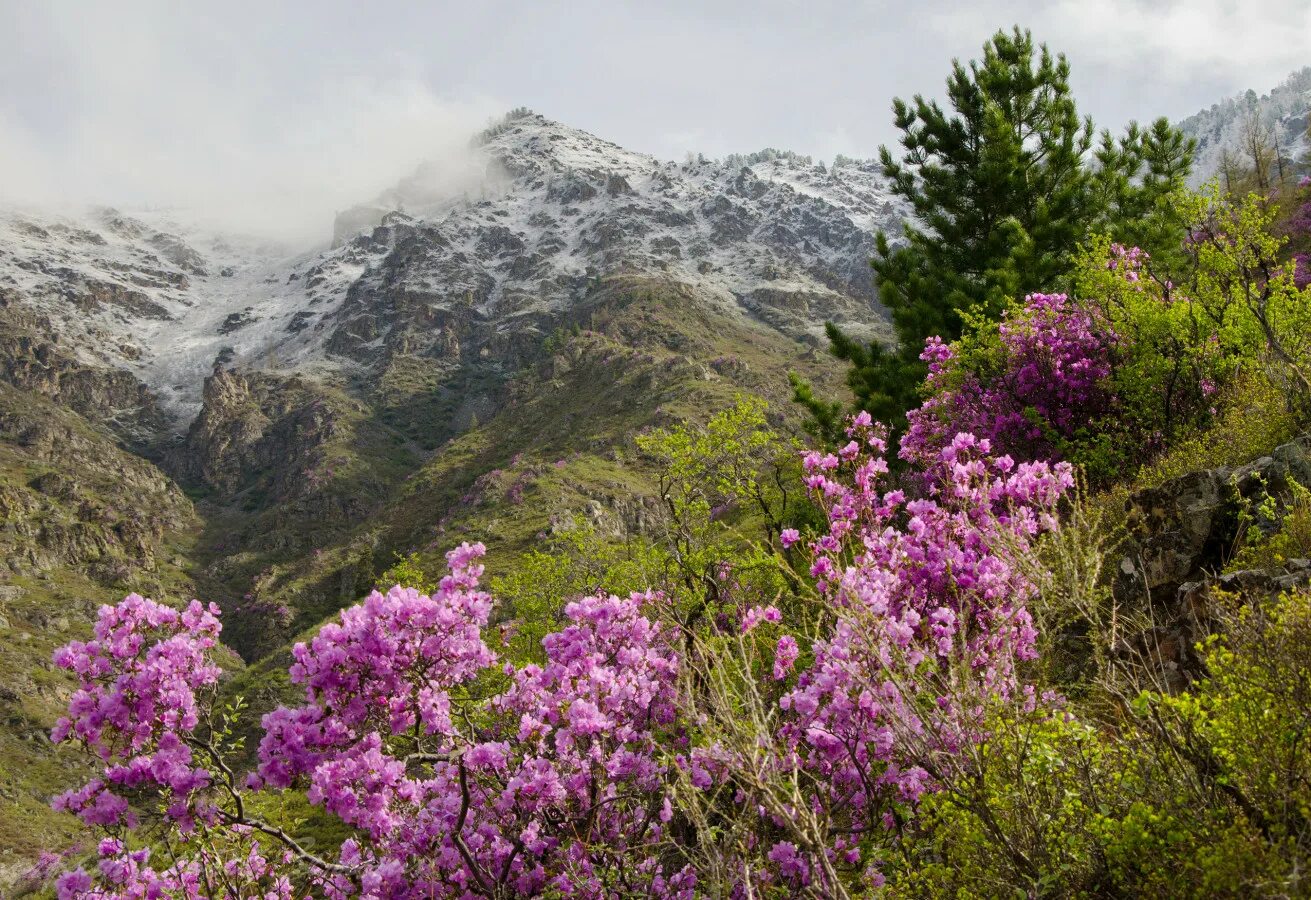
[(1027, 615)]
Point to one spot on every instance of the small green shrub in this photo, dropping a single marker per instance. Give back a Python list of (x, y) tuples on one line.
[(1290, 540), (408, 572)]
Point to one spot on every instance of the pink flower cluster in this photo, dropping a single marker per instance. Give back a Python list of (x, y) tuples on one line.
[(553, 782), (931, 620), (540, 786), (127, 875), (1053, 379), (461, 777), (138, 696), (759, 614), (1128, 261)]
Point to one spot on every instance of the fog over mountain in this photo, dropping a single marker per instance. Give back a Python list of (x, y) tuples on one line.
[(512, 238), (271, 118)]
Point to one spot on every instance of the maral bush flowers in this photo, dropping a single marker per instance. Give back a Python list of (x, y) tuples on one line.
[(455, 774)]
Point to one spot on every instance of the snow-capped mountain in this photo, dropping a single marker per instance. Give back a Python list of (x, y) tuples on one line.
[(434, 270), (1284, 115)]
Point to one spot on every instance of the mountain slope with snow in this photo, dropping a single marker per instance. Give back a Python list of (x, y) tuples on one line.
[(1283, 116), (439, 273)]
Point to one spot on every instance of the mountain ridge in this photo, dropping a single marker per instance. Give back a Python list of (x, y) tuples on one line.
[(782, 241)]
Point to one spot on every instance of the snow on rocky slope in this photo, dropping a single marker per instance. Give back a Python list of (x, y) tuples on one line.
[(551, 211), (1284, 114), (146, 293)]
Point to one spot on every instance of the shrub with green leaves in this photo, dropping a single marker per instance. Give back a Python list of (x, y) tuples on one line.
[(1199, 794), (1289, 539), (1132, 362)]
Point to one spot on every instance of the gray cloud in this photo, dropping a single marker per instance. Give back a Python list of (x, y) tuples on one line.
[(164, 109), (271, 116)]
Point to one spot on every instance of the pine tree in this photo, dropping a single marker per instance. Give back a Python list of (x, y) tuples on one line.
[(1134, 181), (1002, 193)]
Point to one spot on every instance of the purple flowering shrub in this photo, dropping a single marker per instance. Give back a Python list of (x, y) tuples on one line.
[(1047, 379), (457, 779), (928, 630), (606, 768), (1106, 377), (141, 683), (145, 681)]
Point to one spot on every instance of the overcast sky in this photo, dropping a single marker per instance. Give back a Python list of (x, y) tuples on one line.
[(283, 112)]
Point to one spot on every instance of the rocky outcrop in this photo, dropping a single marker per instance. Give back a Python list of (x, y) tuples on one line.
[(613, 516), (255, 431), (1180, 537), (1187, 527), (105, 395), (176, 251), (787, 240), (1170, 646), (70, 498)]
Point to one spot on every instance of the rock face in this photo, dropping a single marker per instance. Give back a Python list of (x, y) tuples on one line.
[(1187, 527), (562, 206), (31, 359), (146, 298), (253, 428), (69, 498), (1181, 534)]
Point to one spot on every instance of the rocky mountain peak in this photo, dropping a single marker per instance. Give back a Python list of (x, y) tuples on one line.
[(526, 143), (475, 258)]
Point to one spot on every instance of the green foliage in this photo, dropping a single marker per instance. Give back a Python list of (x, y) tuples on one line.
[(998, 187), (706, 469), (727, 489), (573, 563), (1199, 794), (825, 416), (1251, 418), (1244, 286), (1026, 823), (1243, 731), (1003, 198), (408, 572), (1137, 180), (1168, 349), (1289, 539), (556, 340)]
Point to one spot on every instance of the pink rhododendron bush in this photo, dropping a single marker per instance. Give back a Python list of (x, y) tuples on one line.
[(925, 631), (1105, 377), (1051, 380), (1129, 362), (646, 756)]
